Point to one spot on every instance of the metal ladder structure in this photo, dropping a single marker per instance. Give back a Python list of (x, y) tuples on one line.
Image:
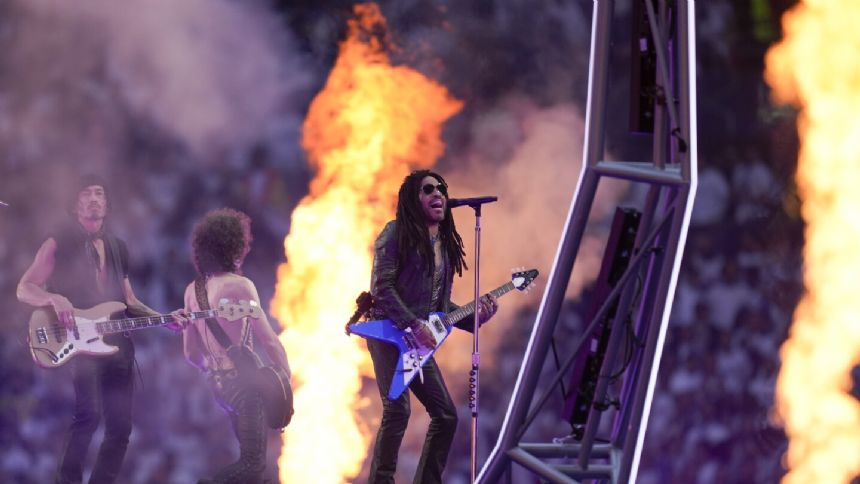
[(643, 294)]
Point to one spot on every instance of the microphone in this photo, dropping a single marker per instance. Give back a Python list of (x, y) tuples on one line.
[(470, 202)]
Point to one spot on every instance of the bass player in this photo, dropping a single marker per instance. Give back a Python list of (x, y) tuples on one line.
[(79, 267)]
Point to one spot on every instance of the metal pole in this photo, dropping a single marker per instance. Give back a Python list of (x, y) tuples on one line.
[(476, 355), (687, 87), (645, 222), (569, 247), (616, 328), (673, 167), (655, 336)]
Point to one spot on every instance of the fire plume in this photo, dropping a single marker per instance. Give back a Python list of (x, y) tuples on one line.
[(816, 67), (368, 128)]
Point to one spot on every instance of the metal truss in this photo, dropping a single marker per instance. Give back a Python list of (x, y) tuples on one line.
[(643, 294)]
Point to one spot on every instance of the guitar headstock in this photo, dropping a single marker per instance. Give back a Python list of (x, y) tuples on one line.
[(235, 311), (522, 278)]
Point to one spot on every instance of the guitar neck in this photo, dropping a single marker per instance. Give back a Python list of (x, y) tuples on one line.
[(121, 325), (469, 309)]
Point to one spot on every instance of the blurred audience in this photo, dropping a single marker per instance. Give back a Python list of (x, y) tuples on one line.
[(736, 293)]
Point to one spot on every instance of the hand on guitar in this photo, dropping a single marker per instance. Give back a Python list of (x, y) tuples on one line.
[(422, 333), (487, 307), (180, 320), (64, 309)]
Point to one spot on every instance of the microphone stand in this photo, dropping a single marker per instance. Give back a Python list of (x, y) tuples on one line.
[(476, 355), (475, 203)]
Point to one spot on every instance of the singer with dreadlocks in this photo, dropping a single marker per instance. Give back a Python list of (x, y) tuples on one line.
[(416, 257)]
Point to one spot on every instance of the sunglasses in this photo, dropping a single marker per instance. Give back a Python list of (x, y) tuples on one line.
[(429, 188)]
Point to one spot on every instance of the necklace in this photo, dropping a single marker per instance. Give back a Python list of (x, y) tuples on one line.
[(434, 239)]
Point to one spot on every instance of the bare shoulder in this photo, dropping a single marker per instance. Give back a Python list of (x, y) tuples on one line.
[(189, 298), (43, 263), (189, 291), (48, 247), (233, 287)]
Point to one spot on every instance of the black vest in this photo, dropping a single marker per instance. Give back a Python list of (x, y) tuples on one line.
[(74, 273)]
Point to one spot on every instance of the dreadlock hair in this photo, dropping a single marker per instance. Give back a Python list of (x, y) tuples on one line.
[(412, 230), (220, 241)]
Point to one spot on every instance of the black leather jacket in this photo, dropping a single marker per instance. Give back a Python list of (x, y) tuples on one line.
[(403, 294)]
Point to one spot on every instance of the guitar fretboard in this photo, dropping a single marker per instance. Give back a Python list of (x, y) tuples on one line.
[(121, 325), (468, 309)]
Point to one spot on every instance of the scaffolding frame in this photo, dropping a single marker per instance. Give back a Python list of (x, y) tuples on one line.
[(671, 179)]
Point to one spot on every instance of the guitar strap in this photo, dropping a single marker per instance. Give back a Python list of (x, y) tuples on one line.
[(283, 395), (112, 247), (216, 329)]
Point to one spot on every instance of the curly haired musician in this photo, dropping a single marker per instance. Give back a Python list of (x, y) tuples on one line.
[(416, 256), (79, 267), (220, 242)]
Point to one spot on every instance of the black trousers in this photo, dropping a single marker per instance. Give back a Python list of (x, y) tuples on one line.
[(104, 386), (433, 394), (245, 408)]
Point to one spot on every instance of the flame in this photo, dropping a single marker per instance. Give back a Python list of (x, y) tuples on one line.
[(369, 127), (816, 67)]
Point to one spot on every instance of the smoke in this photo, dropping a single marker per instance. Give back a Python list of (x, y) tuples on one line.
[(530, 157), (167, 100), (93, 83), (520, 68), (173, 102), (139, 88)]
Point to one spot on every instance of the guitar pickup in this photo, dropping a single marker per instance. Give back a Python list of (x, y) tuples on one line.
[(438, 326), (42, 336)]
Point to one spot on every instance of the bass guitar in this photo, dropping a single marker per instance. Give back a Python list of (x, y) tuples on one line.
[(53, 345), (413, 355)]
